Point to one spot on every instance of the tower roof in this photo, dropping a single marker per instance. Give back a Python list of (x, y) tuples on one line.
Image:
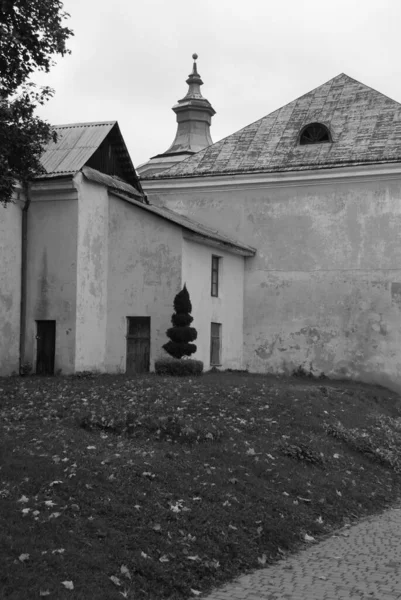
[(194, 117)]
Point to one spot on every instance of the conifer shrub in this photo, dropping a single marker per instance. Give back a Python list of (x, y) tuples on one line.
[(180, 346), (181, 334)]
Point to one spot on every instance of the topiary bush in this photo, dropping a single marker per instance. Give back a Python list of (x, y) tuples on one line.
[(175, 366), (181, 334)]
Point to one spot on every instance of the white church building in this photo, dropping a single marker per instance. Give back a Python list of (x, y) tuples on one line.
[(286, 233)]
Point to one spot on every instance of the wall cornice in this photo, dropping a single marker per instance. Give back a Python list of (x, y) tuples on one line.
[(54, 189), (246, 181)]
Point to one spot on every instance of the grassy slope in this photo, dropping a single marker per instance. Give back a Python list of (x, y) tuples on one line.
[(240, 473)]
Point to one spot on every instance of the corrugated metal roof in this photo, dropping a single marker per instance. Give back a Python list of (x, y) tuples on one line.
[(113, 183), (365, 126), (195, 227), (75, 145)]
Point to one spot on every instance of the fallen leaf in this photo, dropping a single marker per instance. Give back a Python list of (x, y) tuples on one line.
[(23, 499), (50, 503), (23, 557), (124, 571), (309, 538), (91, 447), (164, 558), (115, 580), (195, 592), (262, 559), (44, 593), (68, 585)]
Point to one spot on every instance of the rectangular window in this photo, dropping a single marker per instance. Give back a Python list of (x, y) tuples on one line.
[(215, 344), (215, 275)]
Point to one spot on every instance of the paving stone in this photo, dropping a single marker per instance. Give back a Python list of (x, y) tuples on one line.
[(361, 562)]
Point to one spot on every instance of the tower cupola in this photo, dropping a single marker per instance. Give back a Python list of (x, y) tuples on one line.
[(194, 117)]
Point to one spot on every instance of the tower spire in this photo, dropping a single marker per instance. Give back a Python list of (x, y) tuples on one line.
[(194, 117)]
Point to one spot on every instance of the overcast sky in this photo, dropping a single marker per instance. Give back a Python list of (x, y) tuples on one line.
[(130, 60)]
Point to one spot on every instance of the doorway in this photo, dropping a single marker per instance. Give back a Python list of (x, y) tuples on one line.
[(138, 345), (45, 347)]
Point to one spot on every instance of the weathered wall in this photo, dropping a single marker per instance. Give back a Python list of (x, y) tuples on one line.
[(92, 269), (51, 269), (227, 309), (144, 275), (324, 289), (10, 286)]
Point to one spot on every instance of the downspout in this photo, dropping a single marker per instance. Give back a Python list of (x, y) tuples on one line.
[(24, 256)]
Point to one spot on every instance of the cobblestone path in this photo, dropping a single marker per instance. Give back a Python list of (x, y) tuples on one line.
[(361, 562)]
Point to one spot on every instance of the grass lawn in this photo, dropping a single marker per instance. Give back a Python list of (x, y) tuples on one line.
[(153, 487)]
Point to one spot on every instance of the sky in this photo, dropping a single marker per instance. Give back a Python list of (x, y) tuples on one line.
[(130, 59)]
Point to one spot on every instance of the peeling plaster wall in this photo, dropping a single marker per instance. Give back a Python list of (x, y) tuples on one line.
[(92, 269), (144, 275), (51, 272), (324, 289), (227, 309), (10, 286)]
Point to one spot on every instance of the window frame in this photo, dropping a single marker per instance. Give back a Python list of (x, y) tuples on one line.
[(215, 276), (214, 337), (314, 124)]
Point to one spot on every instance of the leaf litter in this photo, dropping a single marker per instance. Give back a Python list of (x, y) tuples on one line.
[(169, 487)]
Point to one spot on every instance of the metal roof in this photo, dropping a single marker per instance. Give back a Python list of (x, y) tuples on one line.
[(75, 145), (229, 243), (365, 127)]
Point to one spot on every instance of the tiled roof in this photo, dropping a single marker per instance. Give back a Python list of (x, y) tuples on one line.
[(194, 227), (112, 182), (75, 145), (365, 126)]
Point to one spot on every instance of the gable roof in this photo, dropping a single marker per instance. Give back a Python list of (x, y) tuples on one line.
[(365, 126), (80, 143), (201, 231)]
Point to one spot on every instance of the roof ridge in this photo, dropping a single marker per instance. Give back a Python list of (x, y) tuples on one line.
[(88, 124)]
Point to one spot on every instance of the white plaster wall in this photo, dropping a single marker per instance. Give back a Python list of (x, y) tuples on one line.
[(144, 275), (226, 309), (51, 272), (92, 270), (10, 286), (323, 290)]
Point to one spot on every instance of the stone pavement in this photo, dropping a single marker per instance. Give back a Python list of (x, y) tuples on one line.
[(361, 562)]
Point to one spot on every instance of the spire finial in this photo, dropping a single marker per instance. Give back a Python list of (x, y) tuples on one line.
[(195, 56)]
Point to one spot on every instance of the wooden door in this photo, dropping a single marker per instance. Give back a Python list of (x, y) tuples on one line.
[(138, 345), (45, 347)]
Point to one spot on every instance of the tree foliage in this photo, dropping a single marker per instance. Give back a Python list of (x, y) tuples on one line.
[(181, 334), (31, 34)]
